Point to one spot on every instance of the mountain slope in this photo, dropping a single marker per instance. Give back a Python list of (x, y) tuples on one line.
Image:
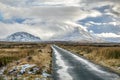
[(78, 34), (22, 37), (116, 40)]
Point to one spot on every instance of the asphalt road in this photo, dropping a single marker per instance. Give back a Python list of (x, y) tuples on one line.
[(68, 66)]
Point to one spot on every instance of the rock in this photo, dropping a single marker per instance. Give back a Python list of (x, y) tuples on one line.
[(118, 68), (46, 74), (29, 58), (13, 71), (24, 67), (34, 70), (21, 69)]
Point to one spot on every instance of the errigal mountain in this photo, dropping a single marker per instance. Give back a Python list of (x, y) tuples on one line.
[(22, 37), (79, 35)]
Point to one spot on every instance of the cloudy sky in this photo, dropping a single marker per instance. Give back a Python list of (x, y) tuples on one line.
[(49, 18)]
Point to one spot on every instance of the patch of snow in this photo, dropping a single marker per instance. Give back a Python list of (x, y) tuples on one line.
[(37, 79), (22, 37), (21, 69), (24, 67), (2, 70), (63, 73), (118, 68), (46, 74), (77, 34)]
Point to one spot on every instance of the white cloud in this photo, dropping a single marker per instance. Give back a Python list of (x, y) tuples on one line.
[(8, 29), (48, 12), (55, 13), (114, 23), (108, 35), (9, 11), (48, 18), (44, 31), (26, 3)]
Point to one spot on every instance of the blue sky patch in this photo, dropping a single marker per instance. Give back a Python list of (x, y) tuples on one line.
[(102, 9), (18, 20), (100, 19), (1, 16)]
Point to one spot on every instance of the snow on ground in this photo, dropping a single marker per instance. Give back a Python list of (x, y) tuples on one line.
[(63, 74), (24, 67), (2, 70)]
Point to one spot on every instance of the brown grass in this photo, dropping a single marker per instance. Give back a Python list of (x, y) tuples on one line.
[(9, 55), (30, 53)]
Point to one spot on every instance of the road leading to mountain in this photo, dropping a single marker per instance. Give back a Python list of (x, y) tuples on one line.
[(68, 66)]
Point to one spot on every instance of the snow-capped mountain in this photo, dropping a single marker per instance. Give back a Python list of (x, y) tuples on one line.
[(22, 37), (80, 35), (116, 40)]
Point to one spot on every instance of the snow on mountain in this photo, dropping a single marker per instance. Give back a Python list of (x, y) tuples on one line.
[(22, 37), (116, 40), (78, 34)]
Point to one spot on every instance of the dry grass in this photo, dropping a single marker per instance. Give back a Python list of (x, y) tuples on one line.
[(43, 59), (106, 56), (20, 54), (13, 52)]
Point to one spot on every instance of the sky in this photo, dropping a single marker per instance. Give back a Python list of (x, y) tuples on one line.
[(52, 18)]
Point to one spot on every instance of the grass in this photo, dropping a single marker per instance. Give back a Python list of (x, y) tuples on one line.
[(9, 55), (25, 53), (1, 78), (40, 54), (107, 56)]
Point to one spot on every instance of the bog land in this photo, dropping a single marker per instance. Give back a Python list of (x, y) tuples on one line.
[(34, 60)]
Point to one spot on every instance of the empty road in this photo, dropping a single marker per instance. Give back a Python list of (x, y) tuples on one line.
[(68, 66)]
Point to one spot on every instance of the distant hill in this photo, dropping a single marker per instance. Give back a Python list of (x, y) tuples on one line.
[(22, 37), (78, 35)]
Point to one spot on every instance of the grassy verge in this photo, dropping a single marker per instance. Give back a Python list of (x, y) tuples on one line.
[(17, 54)]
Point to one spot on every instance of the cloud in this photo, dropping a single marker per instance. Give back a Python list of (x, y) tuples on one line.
[(113, 10), (48, 12), (108, 35), (114, 23), (28, 3), (40, 12), (44, 31), (7, 29), (48, 18)]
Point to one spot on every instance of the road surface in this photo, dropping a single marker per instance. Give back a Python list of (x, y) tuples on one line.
[(68, 66)]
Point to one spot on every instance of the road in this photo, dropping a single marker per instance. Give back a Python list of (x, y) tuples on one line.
[(68, 66)]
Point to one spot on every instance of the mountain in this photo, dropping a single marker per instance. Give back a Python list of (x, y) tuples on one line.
[(116, 40), (22, 37), (79, 35)]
